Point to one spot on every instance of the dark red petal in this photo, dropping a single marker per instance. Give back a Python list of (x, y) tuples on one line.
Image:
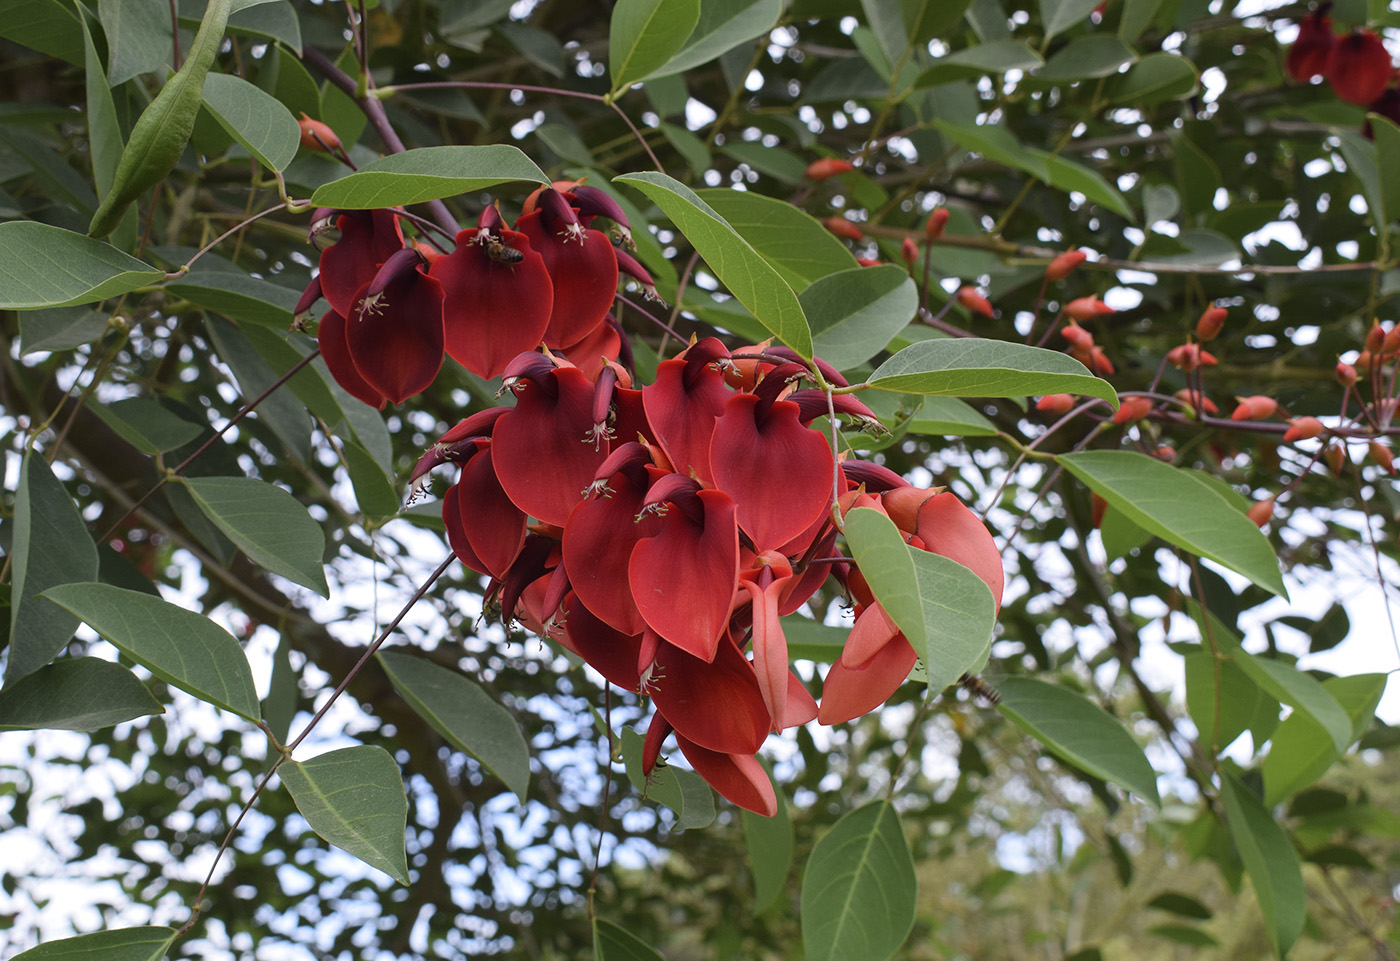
[(738, 777), (851, 692), (396, 340), (684, 578), (367, 239), (598, 541), (583, 269), (779, 472), (948, 528), (1359, 67), (494, 526), (682, 406), (330, 337), (611, 653), (717, 705), (456, 532), (493, 309), (592, 353), (545, 455)]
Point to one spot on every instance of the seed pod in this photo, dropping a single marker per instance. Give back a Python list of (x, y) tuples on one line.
[(164, 127)]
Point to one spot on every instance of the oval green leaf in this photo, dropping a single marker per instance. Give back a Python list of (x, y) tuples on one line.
[(146, 425), (1303, 749), (684, 792), (428, 173), (354, 798), (950, 417), (1270, 860), (238, 296), (854, 313), (859, 890), (946, 611), (1085, 58), (1079, 732), (464, 714), (612, 943), (793, 242), (1059, 15), (44, 266), (75, 694), (975, 367), (997, 57), (1155, 78), (722, 26), (645, 34), (1180, 508), (182, 648), (254, 118), (51, 546), (123, 944), (267, 524), (750, 278)]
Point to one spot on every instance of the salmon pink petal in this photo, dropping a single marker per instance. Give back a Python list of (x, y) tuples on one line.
[(495, 527), (717, 705), (851, 692), (494, 306), (367, 239), (872, 631), (396, 340), (684, 578), (948, 528), (801, 705), (583, 269), (545, 454), (330, 337), (610, 652), (778, 471), (738, 777), (770, 649)]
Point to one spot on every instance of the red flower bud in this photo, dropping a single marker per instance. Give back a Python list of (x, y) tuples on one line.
[(868, 261), (1133, 409), (1346, 374), (317, 136), (842, 227), (1208, 327), (1077, 336), (1055, 403), (1363, 360), (1100, 363), (1308, 56), (1165, 453), (1375, 338), (1261, 512), (1257, 407), (1336, 457), (1064, 265), (1381, 455), (1359, 67), (1198, 401), (1303, 428), (975, 302), (909, 251), (937, 220), (827, 167), (1189, 357), (1086, 308), (1391, 344)]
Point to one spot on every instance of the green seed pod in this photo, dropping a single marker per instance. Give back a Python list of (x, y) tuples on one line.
[(165, 126)]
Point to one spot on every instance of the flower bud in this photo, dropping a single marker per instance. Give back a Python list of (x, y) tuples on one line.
[(909, 251), (1077, 336), (1391, 345), (1346, 374), (1086, 308), (1197, 401), (1064, 265), (842, 227), (1189, 357), (1336, 457), (1381, 455), (317, 136), (1209, 326), (1100, 364), (1303, 428), (975, 302), (1165, 452), (827, 168), (1055, 403), (1257, 407), (1132, 409), (1261, 512), (1375, 339), (933, 228)]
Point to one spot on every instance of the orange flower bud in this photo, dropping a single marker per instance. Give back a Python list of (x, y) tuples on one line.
[(1085, 308), (1257, 407), (1132, 409), (1064, 265), (827, 167), (1100, 363), (1209, 326), (1261, 512), (1077, 336), (1303, 428), (1363, 360), (1197, 400), (1336, 457), (1346, 374), (1391, 344), (1097, 508), (909, 251), (933, 228), (868, 261), (842, 227), (1381, 455), (1055, 403), (975, 302), (1375, 339), (317, 136), (1165, 453), (1189, 357)]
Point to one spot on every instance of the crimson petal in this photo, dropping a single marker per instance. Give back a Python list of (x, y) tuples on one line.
[(330, 337), (717, 705), (850, 692), (738, 777), (396, 340), (494, 526), (367, 239), (684, 402), (583, 269)]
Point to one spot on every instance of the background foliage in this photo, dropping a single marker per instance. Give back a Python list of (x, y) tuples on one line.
[(1161, 136)]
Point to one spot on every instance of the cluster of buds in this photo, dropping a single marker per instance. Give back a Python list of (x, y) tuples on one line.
[(1357, 66), (660, 533)]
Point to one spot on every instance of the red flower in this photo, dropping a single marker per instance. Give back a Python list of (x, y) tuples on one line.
[(1359, 67), (1310, 53), (684, 402), (367, 239), (581, 264)]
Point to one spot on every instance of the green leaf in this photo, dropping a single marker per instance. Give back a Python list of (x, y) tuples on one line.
[(1059, 15), (1137, 17), (1079, 732), (946, 611), (1087, 57), (645, 35), (44, 266), (164, 127), (1270, 860), (854, 313), (1236, 701), (279, 410), (996, 57), (812, 640), (464, 714), (1180, 508), (354, 798), (750, 278), (950, 417), (238, 296), (792, 241), (254, 118), (283, 694), (859, 890), (60, 328), (684, 792), (374, 490), (45, 25), (722, 26), (146, 425), (1302, 750), (51, 546), (104, 130), (273, 19), (1387, 140), (770, 843), (782, 165), (1120, 536), (428, 173), (122, 944), (1184, 934), (1069, 176), (1155, 78), (182, 648), (1182, 904), (75, 694), (976, 367), (267, 524), (996, 144), (925, 20), (138, 37), (612, 943)]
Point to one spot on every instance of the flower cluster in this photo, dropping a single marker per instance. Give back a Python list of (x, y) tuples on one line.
[(658, 532), (1357, 66)]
